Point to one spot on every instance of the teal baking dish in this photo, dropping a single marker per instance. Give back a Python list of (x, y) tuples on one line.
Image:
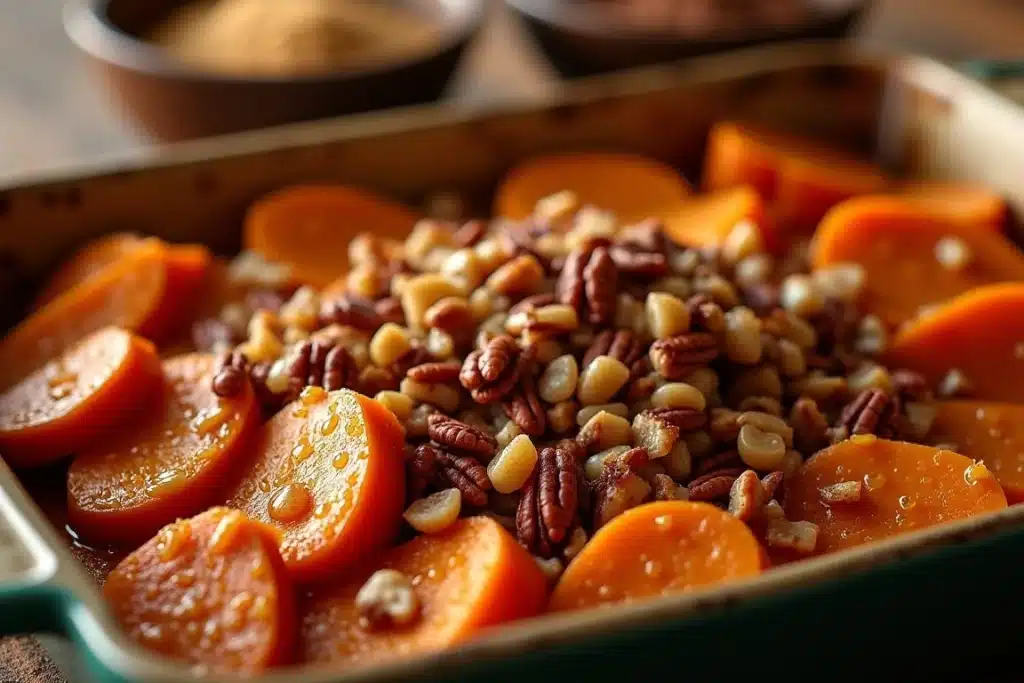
[(919, 606)]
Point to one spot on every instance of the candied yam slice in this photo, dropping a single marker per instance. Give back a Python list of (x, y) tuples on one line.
[(124, 295), (737, 154), (188, 267), (170, 464), (86, 263), (904, 487), (980, 334), (631, 186), (911, 257), (987, 431), (210, 591), (308, 227), (962, 203), (813, 180), (330, 474), (98, 384), (471, 576), (705, 220), (656, 549)]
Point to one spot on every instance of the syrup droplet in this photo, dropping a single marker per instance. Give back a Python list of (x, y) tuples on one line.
[(303, 449), (330, 425), (874, 481), (312, 395), (290, 504), (341, 460), (227, 531)]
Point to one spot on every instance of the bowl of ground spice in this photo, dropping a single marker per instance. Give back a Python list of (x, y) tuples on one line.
[(192, 68)]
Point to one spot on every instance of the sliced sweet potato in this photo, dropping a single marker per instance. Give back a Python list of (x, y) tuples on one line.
[(987, 431), (631, 186), (903, 487), (980, 333), (173, 463), (125, 295), (737, 154), (656, 549), (210, 591), (85, 263), (910, 255), (469, 577), (707, 219), (329, 473), (308, 227), (962, 203), (70, 402), (188, 266), (803, 178)]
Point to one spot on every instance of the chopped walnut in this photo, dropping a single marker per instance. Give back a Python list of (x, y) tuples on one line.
[(842, 492), (387, 599), (799, 536)]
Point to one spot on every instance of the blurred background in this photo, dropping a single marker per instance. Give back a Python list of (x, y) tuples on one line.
[(55, 110)]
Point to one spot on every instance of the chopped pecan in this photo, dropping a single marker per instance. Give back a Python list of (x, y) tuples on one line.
[(421, 470), (622, 345), (312, 363), (452, 315), (685, 419), (532, 302), (491, 373), (390, 310), (620, 486), (705, 314), (665, 488), (435, 373), (810, 428), (648, 235), (373, 380), (641, 264), (675, 357), (714, 485), (464, 473), (417, 355), (469, 233), (232, 375), (550, 499), (588, 283), (340, 370), (459, 436), (523, 406), (352, 311), (871, 412), (771, 483), (746, 496)]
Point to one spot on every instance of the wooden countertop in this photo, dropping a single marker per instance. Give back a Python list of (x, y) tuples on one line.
[(51, 113)]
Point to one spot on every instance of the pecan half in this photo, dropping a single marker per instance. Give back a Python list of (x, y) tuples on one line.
[(352, 311), (232, 375), (714, 485), (550, 499), (421, 470), (435, 373), (340, 370), (622, 345), (871, 412), (588, 283), (525, 408), (675, 357), (417, 355), (459, 436), (464, 473), (640, 264), (491, 373)]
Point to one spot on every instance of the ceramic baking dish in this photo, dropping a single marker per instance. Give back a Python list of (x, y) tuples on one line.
[(920, 605)]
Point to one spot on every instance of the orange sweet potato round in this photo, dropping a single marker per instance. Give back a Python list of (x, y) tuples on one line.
[(987, 431), (98, 384), (963, 203), (707, 219), (904, 487), (124, 295), (471, 576), (85, 263), (631, 186), (979, 334), (173, 463), (656, 549), (210, 591), (308, 227), (330, 474), (898, 244)]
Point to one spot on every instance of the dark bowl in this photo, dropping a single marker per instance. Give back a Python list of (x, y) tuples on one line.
[(581, 38), (174, 101)]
